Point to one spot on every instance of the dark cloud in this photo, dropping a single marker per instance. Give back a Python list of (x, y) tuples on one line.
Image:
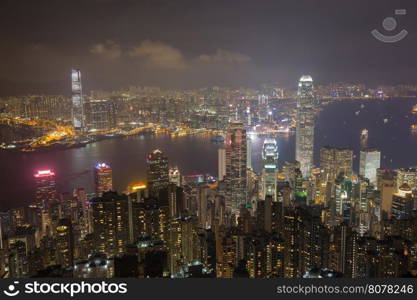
[(191, 43)]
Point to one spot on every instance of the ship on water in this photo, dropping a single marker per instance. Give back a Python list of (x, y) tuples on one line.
[(364, 134), (414, 110)]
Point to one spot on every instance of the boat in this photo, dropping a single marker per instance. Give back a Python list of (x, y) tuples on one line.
[(414, 110), (413, 127), (364, 134)]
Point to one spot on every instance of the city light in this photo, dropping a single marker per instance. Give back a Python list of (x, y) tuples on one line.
[(43, 173), (213, 140)]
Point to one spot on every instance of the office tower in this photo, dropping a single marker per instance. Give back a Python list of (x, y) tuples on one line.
[(81, 196), (103, 178), (175, 176), (45, 188), (342, 196), (304, 143), (407, 175), (157, 172), (335, 161), (236, 181), (221, 163), (65, 243), (249, 153), (300, 193), (317, 188), (290, 170), (386, 185), (270, 168), (263, 105), (100, 115), (402, 203), (172, 196), (203, 206), (110, 223), (78, 116), (370, 161)]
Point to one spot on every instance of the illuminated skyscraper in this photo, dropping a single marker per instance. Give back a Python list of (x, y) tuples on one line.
[(103, 178), (65, 243), (221, 163), (158, 171), (402, 203), (407, 175), (269, 172), (304, 144), (249, 153), (370, 161), (334, 161), (175, 176), (45, 188), (110, 217), (263, 105), (78, 118), (100, 115), (236, 165)]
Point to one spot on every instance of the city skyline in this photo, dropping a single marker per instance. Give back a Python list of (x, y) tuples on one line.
[(208, 139)]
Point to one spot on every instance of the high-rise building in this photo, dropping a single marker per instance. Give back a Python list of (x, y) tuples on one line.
[(336, 161), (45, 188), (221, 163), (263, 104), (65, 243), (270, 168), (175, 176), (110, 217), (304, 144), (236, 166), (158, 171), (249, 153), (402, 203), (370, 161), (100, 115), (78, 116), (386, 185), (103, 178), (407, 175)]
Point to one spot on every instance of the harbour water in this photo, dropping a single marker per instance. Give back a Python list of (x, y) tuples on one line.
[(338, 124)]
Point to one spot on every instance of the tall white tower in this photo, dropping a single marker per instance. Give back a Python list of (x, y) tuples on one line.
[(304, 143), (78, 117), (269, 172)]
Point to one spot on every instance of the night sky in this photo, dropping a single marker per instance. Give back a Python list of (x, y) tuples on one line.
[(193, 43)]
